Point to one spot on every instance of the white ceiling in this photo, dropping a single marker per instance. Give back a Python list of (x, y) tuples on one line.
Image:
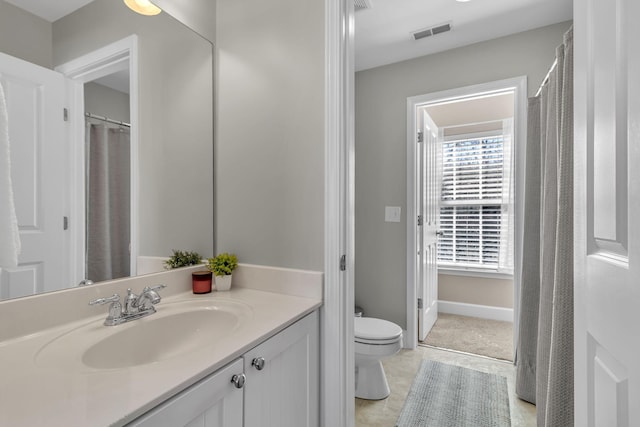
[(383, 33), (481, 114), (51, 10), (54, 10)]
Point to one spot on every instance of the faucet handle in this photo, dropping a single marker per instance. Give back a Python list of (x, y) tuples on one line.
[(154, 288), (113, 298), (115, 309)]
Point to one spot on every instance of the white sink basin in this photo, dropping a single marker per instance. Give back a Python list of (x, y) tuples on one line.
[(175, 329)]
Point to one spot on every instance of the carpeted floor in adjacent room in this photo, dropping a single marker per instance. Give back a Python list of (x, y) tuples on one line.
[(485, 337)]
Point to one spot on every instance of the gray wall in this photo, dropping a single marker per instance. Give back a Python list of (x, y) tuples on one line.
[(175, 117), (199, 15), (25, 35), (269, 168), (476, 290), (106, 102), (380, 125)]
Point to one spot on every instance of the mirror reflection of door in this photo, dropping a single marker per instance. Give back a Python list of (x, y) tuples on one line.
[(38, 141), (107, 177)]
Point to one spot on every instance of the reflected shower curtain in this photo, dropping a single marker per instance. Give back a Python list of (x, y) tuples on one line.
[(107, 202), (544, 355)]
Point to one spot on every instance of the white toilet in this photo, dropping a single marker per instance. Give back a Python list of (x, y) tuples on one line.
[(374, 339)]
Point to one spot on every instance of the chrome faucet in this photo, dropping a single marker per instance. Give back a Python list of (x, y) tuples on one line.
[(148, 298), (135, 306)]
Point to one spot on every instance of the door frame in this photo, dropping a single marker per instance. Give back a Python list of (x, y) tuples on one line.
[(337, 354), (519, 86), (84, 69)]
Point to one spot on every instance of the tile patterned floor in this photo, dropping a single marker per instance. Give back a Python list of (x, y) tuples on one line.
[(401, 369)]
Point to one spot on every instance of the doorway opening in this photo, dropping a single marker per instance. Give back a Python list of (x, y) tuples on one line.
[(107, 176), (464, 172), (103, 93)]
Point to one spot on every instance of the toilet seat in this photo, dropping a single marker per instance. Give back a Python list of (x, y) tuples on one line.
[(377, 342), (369, 330)]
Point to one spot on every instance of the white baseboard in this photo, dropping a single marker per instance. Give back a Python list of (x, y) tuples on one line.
[(405, 341), (476, 310)]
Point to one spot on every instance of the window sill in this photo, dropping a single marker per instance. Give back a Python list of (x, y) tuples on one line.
[(475, 273)]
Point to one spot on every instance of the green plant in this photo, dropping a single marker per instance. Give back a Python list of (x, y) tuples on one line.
[(223, 264), (182, 259)]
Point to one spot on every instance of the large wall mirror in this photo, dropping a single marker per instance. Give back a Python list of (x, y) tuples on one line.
[(131, 177)]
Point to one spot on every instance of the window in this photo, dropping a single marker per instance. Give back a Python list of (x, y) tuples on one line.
[(476, 204)]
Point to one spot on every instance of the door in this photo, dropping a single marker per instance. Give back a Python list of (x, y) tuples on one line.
[(282, 388), (213, 402), (428, 198), (35, 102), (607, 205)]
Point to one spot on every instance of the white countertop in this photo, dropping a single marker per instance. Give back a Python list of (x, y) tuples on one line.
[(35, 395)]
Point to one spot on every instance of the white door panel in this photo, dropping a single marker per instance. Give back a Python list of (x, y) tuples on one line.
[(429, 212), (35, 101), (607, 202)]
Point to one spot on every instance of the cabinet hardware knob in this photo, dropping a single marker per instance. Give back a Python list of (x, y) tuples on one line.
[(238, 380), (258, 363)]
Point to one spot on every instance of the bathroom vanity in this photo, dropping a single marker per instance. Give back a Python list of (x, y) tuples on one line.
[(245, 357), (273, 384)]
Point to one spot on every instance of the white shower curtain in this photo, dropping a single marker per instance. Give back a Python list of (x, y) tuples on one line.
[(10, 244), (544, 356), (107, 202)]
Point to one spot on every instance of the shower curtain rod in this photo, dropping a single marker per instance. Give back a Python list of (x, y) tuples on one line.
[(106, 119), (546, 78)]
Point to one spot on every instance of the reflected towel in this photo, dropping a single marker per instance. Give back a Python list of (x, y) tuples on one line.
[(9, 236)]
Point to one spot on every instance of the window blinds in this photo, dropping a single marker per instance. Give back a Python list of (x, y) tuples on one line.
[(476, 203)]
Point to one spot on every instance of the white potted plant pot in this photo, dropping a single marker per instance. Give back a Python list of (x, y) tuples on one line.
[(223, 283)]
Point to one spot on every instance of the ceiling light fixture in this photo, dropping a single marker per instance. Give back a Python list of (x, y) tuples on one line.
[(462, 1), (143, 7)]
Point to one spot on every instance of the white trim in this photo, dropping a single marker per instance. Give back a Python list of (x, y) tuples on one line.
[(473, 135), (75, 97), (337, 388), (404, 340), (520, 139), (489, 274), (476, 310), (410, 339), (99, 63), (519, 85)]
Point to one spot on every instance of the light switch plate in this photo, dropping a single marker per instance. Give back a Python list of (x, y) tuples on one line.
[(392, 213)]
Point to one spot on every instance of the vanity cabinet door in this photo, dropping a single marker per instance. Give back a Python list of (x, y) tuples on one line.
[(282, 387), (213, 402)]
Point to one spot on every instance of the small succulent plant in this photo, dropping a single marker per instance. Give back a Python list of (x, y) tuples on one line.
[(223, 264)]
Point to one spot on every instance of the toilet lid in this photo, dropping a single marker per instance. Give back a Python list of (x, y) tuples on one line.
[(372, 329)]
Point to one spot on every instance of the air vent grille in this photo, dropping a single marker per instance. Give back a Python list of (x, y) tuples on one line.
[(361, 4), (438, 29)]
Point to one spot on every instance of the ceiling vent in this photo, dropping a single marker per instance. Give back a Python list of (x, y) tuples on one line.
[(442, 28), (361, 4)]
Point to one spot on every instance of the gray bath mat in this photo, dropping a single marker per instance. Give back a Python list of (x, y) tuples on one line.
[(445, 395)]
